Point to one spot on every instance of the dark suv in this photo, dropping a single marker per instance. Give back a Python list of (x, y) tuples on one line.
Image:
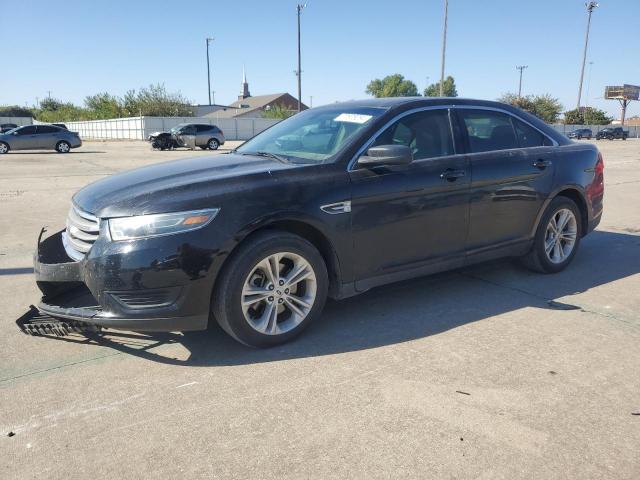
[(581, 133), (330, 202)]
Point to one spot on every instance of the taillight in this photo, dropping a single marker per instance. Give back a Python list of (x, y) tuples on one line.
[(221, 132), (599, 168), (595, 190)]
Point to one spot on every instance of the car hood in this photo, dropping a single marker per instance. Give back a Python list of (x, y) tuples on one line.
[(179, 185)]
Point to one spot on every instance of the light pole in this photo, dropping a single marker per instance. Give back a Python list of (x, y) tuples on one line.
[(521, 68), (209, 40), (586, 102), (444, 45), (299, 8), (590, 6)]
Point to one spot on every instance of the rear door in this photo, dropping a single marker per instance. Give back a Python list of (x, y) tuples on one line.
[(511, 176), (47, 136), (203, 134), (411, 217)]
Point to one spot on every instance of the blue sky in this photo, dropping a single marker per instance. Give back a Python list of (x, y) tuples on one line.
[(89, 46)]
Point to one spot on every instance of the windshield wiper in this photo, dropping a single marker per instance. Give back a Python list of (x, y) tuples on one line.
[(262, 153)]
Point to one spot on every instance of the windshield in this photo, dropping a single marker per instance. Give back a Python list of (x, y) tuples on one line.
[(312, 136), (177, 127)]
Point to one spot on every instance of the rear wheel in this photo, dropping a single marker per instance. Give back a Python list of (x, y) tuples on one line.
[(271, 289), (557, 238), (63, 147), (213, 144), (4, 147)]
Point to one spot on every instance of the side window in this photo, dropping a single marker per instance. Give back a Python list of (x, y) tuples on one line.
[(203, 128), (188, 130), (47, 129), (30, 130), (529, 136), (488, 130), (427, 133)]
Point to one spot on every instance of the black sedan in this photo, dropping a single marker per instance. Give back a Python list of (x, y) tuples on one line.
[(331, 202)]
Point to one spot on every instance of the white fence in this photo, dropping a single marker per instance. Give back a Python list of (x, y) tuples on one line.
[(139, 128), (17, 120)]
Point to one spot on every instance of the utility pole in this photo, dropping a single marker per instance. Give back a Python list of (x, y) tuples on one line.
[(521, 68), (299, 8), (586, 102), (310, 101), (590, 7), (209, 40), (444, 45)]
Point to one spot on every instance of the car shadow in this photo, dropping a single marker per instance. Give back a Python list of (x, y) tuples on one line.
[(402, 311)]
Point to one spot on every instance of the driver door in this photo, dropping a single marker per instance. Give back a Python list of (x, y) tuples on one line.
[(25, 138), (409, 220)]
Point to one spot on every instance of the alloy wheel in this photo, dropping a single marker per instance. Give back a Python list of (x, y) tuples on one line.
[(63, 147), (213, 144), (560, 236), (279, 293), (3, 148)]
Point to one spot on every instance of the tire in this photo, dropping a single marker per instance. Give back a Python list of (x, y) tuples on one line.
[(579, 137), (63, 147), (251, 324), (213, 144), (4, 148), (556, 260)]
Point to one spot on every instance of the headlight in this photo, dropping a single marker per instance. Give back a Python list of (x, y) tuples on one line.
[(143, 226)]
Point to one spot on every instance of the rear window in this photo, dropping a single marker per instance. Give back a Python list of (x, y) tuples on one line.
[(528, 136), (488, 130), (47, 129)]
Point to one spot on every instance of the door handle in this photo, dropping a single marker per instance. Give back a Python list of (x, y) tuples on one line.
[(451, 175), (542, 164)]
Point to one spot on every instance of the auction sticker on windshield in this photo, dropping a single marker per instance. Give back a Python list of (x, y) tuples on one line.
[(352, 118)]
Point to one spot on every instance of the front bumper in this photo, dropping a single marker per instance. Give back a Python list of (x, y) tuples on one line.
[(161, 284)]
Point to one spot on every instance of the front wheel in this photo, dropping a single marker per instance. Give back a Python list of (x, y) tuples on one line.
[(271, 289), (4, 148), (557, 238), (213, 144), (63, 147)]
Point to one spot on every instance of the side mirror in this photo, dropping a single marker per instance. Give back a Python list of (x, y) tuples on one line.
[(387, 155)]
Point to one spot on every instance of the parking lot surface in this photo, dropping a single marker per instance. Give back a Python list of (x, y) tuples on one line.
[(486, 372)]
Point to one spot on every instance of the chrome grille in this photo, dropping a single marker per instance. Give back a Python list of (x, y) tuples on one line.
[(82, 231)]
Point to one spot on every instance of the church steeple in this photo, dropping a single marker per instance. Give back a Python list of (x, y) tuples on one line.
[(244, 92)]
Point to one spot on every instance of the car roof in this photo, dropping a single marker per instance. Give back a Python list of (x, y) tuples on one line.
[(391, 102)]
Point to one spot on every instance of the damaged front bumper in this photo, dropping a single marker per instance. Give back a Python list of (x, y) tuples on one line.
[(130, 287)]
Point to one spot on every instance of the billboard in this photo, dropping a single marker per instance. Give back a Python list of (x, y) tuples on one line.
[(622, 92)]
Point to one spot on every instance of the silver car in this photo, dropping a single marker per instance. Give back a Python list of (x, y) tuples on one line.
[(39, 137), (205, 136)]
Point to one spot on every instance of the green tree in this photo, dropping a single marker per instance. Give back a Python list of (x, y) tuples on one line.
[(586, 116), (277, 112), (15, 111), (103, 105), (545, 107), (392, 86), (154, 100), (449, 88), (595, 116), (53, 110)]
